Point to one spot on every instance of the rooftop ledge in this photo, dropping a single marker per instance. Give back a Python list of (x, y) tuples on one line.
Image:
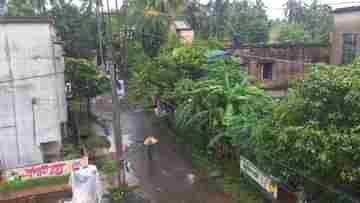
[(24, 19)]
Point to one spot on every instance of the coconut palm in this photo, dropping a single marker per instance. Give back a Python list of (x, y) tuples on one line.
[(152, 19)]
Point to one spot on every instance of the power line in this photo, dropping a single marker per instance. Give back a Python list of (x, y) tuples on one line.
[(31, 77)]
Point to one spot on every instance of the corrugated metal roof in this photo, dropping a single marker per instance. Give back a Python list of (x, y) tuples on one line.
[(182, 25), (28, 19), (215, 54)]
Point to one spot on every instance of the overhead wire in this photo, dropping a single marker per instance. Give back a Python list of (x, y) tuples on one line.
[(31, 77)]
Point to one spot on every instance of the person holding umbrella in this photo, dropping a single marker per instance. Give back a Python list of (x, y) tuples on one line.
[(149, 143)]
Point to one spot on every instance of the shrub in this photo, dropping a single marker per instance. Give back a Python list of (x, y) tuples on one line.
[(18, 185)]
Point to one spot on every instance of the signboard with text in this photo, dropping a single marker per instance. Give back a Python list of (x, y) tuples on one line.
[(50, 169), (259, 177), (120, 88)]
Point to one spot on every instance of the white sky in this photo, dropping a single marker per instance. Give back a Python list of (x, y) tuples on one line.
[(275, 6)]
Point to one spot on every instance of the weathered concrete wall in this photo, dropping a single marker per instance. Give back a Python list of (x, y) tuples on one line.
[(31, 67), (282, 72), (344, 23), (287, 63), (296, 52)]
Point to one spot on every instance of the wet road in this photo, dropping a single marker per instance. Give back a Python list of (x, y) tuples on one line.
[(168, 178)]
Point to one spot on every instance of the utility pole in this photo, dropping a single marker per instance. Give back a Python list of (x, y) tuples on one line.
[(117, 124), (115, 106), (99, 29), (123, 65), (124, 47)]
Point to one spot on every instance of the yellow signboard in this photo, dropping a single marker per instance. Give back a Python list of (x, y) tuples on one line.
[(258, 176)]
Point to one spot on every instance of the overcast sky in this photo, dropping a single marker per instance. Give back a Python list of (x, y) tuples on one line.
[(275, 7)]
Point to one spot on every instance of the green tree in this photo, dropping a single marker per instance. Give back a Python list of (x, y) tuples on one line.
[(292, 33), (198, 15), (319, 22), (86, 80), (316, 18), (27, 7), (75, 28), (316, 130), (250, 20), (221, 18), (296, 11), (75, 25), (152, 19)]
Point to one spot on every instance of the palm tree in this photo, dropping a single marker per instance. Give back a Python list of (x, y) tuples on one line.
[(153, 18), (166, 8), (295, 11)]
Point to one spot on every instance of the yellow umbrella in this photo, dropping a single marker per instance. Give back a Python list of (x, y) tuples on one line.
[(151, 141)]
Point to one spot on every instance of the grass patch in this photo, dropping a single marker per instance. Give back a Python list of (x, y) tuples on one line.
[(118, 193), (71, 151), (234, 183), (19, 185)]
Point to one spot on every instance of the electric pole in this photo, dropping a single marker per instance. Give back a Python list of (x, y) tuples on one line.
[(115, 104), (123, 67), (124, 60), (99, 30)]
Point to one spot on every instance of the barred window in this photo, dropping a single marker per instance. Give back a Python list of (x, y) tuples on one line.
[(349, 47)]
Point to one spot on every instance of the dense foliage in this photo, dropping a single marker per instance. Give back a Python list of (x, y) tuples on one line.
[(214, 94), (19, 185), (316, 18), (86, 80), (75, 24), (75, 28), (221, 18), (315, 129), (292, 33)]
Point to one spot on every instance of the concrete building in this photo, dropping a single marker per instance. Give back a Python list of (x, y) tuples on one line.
[(345, 39), (32, 91), (277, 64), (183, 30)]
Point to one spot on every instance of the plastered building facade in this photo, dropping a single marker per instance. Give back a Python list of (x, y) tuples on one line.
[(32, 91)]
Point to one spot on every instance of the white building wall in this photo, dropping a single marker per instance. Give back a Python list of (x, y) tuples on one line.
[(29, 69)]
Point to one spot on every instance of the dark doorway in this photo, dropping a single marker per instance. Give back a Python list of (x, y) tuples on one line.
[(268, 71)]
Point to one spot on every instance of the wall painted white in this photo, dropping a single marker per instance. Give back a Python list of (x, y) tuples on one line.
[(31, 66)]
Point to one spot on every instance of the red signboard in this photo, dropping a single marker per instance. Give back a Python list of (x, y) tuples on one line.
[(50, 169)]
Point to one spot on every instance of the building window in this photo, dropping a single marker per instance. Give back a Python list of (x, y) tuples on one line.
[(349, 47), (268, 71)]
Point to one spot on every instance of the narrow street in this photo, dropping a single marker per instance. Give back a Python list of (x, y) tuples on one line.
[(168, 178)]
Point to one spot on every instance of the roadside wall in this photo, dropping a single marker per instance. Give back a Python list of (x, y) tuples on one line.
[(31, 70), (287, 63)]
